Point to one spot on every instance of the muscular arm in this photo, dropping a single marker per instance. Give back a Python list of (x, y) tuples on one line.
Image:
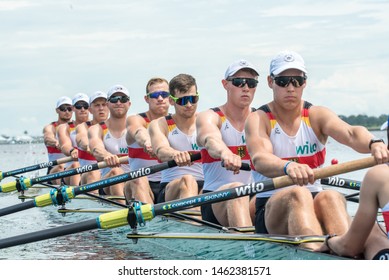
[(137, 132), (49, 137), (82, 136), (327, 123), (64, 139), (260, 147), (208, 126), (158, 130)]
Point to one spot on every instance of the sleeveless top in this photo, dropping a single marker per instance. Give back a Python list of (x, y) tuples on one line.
[(304, 147), (215, 175), (116, 146), (138, 158), (182, 142), (85, 157), (52, 152)]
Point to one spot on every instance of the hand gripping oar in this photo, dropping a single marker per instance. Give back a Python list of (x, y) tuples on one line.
[(4, 174), (64, 194), (138, 214), (341, 183), (24, 183)]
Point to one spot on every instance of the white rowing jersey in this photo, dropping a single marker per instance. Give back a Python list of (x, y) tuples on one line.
[(116, 146), (138, 158), (182, 142), (215, 175), (52, 152), (304, 147)]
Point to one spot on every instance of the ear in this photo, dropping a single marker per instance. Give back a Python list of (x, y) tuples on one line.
[(270, 81), (171, 101), (147, 99), (224, 83)]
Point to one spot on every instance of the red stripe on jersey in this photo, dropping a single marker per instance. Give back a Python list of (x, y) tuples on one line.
[(237, 150), (85, 155)]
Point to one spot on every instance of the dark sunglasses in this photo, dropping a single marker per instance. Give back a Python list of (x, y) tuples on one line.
[(157, 94), (122, 99), (182, 101), (284, 81), (65, 108), (80, 106), (241, 82)]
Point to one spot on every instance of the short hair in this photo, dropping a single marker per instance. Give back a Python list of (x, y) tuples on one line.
[(181, 83), (153, 81)]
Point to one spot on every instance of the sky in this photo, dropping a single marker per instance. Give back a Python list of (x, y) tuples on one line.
[(53, 48)]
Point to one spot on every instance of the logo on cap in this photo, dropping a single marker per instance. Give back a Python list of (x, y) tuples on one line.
[(289, 57), (243, 63)]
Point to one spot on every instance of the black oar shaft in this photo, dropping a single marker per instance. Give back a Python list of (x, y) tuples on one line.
[(17, 207), (341, 183), (48, 233), (34, 167)]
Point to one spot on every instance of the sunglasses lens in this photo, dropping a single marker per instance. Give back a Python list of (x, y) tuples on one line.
[(284, 81), (157, 94), (193, 99), (122, 99), (241, 82), (64, 109), (80, 106)]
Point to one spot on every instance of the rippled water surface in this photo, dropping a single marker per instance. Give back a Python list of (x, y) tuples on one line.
[(113, 244)]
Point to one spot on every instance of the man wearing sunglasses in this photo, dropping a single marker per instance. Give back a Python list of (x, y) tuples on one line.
[(173, 137), (107, 140), (287, 137), (67, 135), (140, 152), (220, 133), (64, 111), (99, 110)]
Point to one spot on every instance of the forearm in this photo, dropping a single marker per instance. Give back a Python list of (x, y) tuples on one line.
[(269, 165)]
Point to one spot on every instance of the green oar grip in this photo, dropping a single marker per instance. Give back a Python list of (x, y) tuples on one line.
[(1, 176)]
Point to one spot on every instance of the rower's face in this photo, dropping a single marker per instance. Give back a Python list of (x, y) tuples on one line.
[(182, 106), (99, 109), (158, 104), (81, 110), (65, 112), (118, 104)]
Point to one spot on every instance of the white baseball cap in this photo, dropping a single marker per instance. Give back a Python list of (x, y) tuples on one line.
[(80, 97), (95, 95), (238, 65), (287, 60), (64, 100), (117, 88)]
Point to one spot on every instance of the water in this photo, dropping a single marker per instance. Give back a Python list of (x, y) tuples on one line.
[(113, 244)]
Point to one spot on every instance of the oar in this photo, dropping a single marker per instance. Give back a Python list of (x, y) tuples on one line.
[(138, 214), (25, 183), (59, 197), (342, 183), (34, 167)]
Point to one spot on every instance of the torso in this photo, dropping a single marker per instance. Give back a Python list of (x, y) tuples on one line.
[(214, 174)]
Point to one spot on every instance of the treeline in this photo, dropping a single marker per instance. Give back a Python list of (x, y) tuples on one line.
[(366, 121)]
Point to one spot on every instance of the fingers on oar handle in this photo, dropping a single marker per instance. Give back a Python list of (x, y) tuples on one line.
[(193, 157), (245, 166)]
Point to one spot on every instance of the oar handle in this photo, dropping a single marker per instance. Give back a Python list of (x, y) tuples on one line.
[(103, 164), (64, 160), (331, 170), (245, 166)]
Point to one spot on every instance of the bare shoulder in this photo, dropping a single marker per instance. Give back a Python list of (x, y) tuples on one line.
[(207, 117)]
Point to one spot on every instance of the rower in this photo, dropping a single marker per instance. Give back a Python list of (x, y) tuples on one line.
[(67, 135), (107, 140), (64, 111), (173, 137), (99, 110), (140, 152)]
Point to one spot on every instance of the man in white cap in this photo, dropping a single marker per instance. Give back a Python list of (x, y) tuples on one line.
[(107, 140), (99, 110), (287, 137), (220, 134), (67, 135), (140, 152), (64, 111)]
